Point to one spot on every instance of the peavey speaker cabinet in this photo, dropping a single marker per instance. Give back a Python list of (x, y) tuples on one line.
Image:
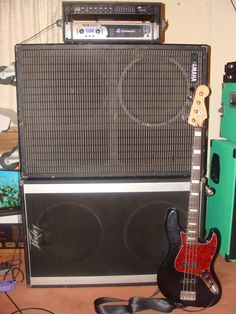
[(107, 110), (98, 233)]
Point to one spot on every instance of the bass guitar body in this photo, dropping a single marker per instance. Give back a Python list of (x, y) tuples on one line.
[(186, 275)]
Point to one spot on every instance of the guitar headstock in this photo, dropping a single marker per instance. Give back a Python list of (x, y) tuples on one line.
[(198, 111)]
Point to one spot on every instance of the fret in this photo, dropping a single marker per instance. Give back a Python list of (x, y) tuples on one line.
[(194, 200), (193, 214), (192, 222)]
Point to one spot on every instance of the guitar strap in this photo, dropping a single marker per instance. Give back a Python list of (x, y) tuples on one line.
[(133, 305)]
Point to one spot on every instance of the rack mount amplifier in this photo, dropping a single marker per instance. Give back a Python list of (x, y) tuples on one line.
[(112, 22)]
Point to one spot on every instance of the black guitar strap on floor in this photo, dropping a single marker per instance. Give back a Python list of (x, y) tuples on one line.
[(134, 305)]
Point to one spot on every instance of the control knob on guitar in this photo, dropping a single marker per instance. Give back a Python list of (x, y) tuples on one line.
[(187, 275)]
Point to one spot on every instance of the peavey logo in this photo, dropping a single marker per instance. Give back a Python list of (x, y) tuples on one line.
[(194, 69), (34, 236)]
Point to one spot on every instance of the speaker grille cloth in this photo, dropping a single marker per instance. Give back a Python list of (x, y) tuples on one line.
[(99, 233), (106, 111)]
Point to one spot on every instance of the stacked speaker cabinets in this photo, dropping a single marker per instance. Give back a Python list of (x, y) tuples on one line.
[(221, 207), (105, 149)]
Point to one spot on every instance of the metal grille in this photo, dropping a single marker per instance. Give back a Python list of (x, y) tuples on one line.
[(98, 110)]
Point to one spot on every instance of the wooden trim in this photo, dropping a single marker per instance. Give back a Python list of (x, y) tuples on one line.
[(8, 140)]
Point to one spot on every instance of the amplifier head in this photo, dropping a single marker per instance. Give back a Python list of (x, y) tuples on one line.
[(112, 22)]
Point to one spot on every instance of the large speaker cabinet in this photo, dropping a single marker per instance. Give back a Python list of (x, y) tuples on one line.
[(221, 207), (107, 110), (98, 233)]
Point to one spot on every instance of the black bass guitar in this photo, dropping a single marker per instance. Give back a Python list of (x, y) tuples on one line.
[(187, 275)]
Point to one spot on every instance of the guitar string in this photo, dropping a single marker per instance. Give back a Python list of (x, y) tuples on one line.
[(191, 260), (187, 250), (196, 176), (187, 258), (185, 284), (190, 268), (199, 159), (188, 240), (193, 220), (192, 250), (186, 275)]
